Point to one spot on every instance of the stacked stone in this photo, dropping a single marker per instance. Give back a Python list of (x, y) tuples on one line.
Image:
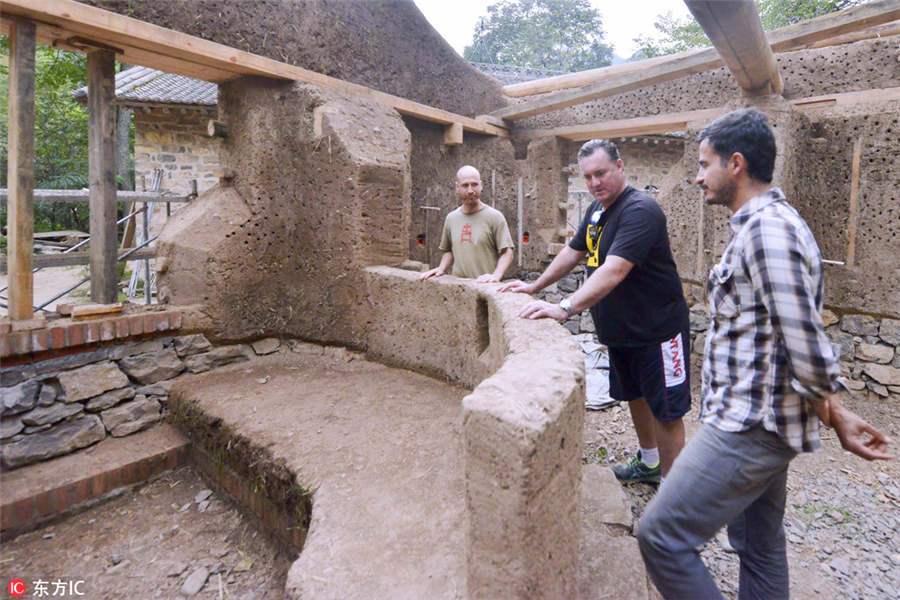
[(870, 346), (57, 406)]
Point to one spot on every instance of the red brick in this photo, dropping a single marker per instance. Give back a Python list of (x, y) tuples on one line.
[(60, 499), (92, 332), (40, 340), (136, 324), (107, 330), (130, 473), (77, 334), (176, 319), (98, 485), (81, 491), (113, 480), (17, 515), (5, 327), (5, 349), (20, 342), (121, 327), (149, 323), (160, 322), (44, 504), (59, 337)]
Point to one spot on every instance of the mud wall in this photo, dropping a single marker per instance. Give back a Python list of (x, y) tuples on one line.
[(318, 188), (522, 423), (387, 45)]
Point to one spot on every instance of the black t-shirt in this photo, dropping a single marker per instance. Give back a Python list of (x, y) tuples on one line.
[(648, 306)]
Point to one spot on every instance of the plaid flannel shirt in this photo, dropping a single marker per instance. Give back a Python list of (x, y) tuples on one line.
[(766, 348)]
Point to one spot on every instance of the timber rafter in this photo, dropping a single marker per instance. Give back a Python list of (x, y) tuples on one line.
[(74, 26)]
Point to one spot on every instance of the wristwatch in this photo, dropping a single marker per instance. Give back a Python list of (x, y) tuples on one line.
[(566, 305)]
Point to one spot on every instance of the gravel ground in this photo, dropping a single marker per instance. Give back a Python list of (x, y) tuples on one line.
[(842, 518)]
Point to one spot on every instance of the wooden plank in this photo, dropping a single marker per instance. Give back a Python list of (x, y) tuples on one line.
[(781, 40), (157, 47), (805, 33), (879, 31), (853, 216), (20, 173), (658, 124), (736, 32), (625, 127), (81, 312), (453, 134), (582, 78), (84, 196), (619, 84), (74, 258), (102, 174)]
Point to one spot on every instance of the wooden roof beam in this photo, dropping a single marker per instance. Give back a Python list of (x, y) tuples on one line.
[(667, 123), (737, 33), (145, 44), (624, 78)]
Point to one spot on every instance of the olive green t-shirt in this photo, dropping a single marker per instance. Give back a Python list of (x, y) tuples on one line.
[(475, 240)]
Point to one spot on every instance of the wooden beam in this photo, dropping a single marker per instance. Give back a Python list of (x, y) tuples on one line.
[(679, 121), (20, 173), (453, 134), (102, 174), (84, 196), (646, 73), (736, 32), (625, 127), (175, 52), (879, 31), (74, 258)]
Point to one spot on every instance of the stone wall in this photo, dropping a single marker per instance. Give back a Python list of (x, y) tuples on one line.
[(56, 406), (522, 423), (174, 139)]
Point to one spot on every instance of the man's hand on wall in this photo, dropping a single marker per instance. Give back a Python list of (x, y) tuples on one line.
[(487, 278), (518, 286), (543, 310), (435, 272)]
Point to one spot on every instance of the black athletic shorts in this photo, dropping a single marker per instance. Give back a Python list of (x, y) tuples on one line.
[(660, 373)]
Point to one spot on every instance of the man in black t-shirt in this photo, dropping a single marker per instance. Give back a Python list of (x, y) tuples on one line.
[(637, 303)]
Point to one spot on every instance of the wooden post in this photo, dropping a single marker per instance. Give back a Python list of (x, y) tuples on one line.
[(453, 134), (20, 172), (102, 167)]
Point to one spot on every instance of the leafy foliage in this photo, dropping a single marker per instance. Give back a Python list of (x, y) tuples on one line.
[(60, 136), (676, 35), (563, 35)]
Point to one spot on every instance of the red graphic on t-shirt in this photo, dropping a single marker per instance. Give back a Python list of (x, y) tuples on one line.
[(466, 234)]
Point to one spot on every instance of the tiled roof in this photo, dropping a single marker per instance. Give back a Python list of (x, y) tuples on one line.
[(508, 74), (145, 85)]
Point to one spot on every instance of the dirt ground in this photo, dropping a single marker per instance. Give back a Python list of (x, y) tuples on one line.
[(147, 543), (842, 515), (49, 282)]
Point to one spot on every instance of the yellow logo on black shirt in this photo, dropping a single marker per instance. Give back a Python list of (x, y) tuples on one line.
[(592, 239)]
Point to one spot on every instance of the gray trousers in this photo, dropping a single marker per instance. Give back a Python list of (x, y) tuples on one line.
[(720, 478)]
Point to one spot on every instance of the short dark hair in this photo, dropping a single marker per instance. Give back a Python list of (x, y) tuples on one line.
[(746, 131), (592, 146)]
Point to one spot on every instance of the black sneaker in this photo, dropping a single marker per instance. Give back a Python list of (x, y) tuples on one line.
[(635, 471)]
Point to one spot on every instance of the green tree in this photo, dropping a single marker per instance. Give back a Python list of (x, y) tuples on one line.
[(563, 35), (677, 35), (60, 134)]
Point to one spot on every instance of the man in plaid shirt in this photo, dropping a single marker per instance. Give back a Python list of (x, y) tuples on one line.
[(769, 375)]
